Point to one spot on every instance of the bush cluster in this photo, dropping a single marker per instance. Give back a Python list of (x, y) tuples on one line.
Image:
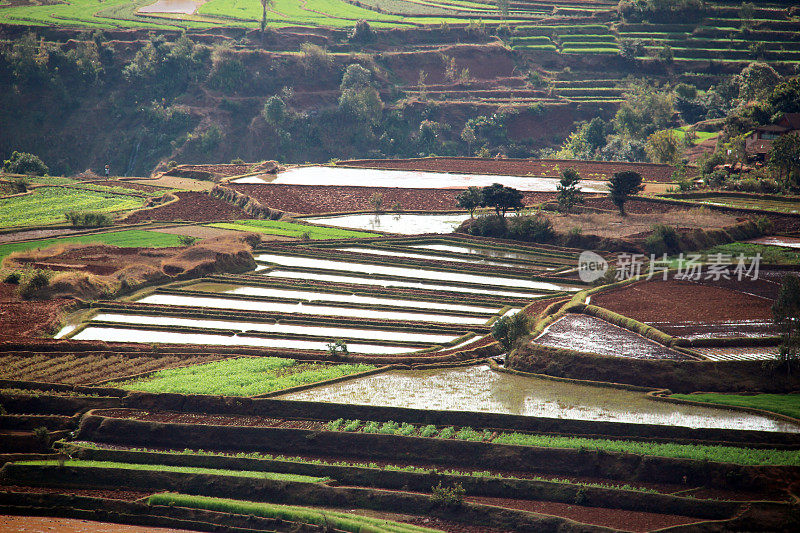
[(82, 219)]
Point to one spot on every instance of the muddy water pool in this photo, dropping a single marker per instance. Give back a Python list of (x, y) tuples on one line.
[(479, 388), (403, 224)]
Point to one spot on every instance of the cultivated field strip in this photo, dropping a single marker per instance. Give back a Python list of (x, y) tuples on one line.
[(306, 296), (739, 353)]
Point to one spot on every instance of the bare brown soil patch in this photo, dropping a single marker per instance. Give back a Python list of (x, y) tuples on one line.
[(312, 199), (40, 524), (200, 232), (25, 235), (175, 182), (86, 368), (594, 170), (612, 225), (21, 318), (615, 518), (191, 206), (127, 184), (127, 495), (685, 305), (213, 420)]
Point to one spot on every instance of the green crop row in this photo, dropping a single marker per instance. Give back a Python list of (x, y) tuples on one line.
[(784, 404), (133, 238), (47, 205), (590, 50), (244, 376), (549, 47), (327, 518), (275, 476), (737, 455), (292, 229)]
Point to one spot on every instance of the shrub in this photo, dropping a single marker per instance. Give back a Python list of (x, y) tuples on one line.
[(663, 240), (38, 280), (25, 163), (362, 32), (389, 428), (427, 431), (237, 161), (172, 164), (448, 496), (12, 278), (334, 425), (486, 226), (82, 219), (376, 201), (210, 138), (337, 349), (508, 329), (535, 228), (315, 58), (351, 425), (42, 435), (186, 240)]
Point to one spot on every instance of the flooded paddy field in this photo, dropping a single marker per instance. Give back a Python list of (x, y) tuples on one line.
[(586, 333), (481, 389), (322, 175), (306, 296), (787, 242), (766, 204), (739, 353), (405, 224)]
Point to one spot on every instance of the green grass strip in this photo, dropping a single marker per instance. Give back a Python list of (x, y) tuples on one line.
[(244, 376), (292, 229), (335, 519), (179, 469), (133, 238), (784, 404)]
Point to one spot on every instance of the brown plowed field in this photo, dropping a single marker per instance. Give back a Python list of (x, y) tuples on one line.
[(314, 199), (684, 303), (89, 368), (128, 185), (191, 206), (41, 524), (22, 318), (596, 170)]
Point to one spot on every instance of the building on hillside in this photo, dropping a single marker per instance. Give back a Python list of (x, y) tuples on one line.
[(759, 143)]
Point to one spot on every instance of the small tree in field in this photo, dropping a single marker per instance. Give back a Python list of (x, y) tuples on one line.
[(786, 313), (569, 193), (376, 200), (470, 200), (508, 329), (622, 185), (264, 5), (502, 198)]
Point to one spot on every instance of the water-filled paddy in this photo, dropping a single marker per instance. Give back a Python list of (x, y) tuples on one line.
[(589, 334), (108, 334), (403, 224), (322, 331), (306, 309), (788, 242), (356, 280), (477, 250), (414, 255), (321, 175), (172, 6), (478, 388), (337, 297), (407, 272)]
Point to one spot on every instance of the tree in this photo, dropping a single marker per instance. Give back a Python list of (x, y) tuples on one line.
[(756, 81), (646, 109), (569, 193), (264, 4), (509, 329), (785, 98), (470, 199), (786, 314), (25, 163), (359, 97), (274, 110), (663, 147), (502, 198), (468, 136), (623, 185), (784, 157)]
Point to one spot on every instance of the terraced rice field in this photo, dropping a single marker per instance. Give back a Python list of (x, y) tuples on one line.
[(739, 353), (320, 175), (481, 389), (384, 298), (772, 204), (401, 223)]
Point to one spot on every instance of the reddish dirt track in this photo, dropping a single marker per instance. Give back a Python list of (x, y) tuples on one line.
[(597, 170), (683, 301), (314, 199), (614, 518), (22, 318), (191, 206), (42, 524)]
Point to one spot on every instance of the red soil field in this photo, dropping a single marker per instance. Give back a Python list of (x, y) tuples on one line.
[(38, 524), (675, 301), (315, 199), (191, 206), (22, 318), (128, 185), (596, 170)]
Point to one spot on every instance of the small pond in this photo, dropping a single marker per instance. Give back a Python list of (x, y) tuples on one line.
[(478, 388), (404, 224)]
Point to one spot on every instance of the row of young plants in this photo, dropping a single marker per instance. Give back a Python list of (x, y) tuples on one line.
[(704, 452), (79, 447)]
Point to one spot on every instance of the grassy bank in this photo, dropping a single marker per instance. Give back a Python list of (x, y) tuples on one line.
[(784, 404), (292, 229)]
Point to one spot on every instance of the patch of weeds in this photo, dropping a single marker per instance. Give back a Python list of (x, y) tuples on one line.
[(335, 424), (427, 431), (351, 425), (448, 496), (389, 428)]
